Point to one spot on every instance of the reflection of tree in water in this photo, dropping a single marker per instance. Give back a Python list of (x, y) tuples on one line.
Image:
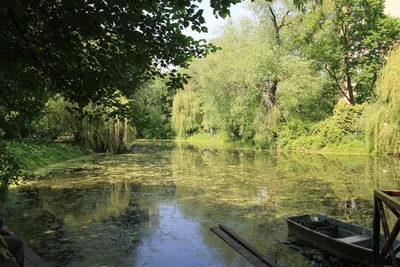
[(55, 244), (81, 205), (113, 207), (70, 225), (43, 231)]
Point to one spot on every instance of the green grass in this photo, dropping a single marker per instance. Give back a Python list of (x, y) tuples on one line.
[(354, 144), (216, 140), (356, 147), (33, 155)]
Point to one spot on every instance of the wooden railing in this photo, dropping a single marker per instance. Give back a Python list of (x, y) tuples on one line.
[(386, 254)]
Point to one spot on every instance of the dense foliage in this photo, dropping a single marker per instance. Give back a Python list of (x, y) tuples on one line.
[(18, 159), (286, 79), (32, 154), (97, 127), (150, 111), (383, 125), (351, 45), (186, 116), (295, 76), (87, 50), (10, 170)]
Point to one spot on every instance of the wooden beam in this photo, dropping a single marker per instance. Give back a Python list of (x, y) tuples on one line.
[(387, 233), (250, 248), (389, 243), (388, 199), (376, 231), (393, 193), (241, 246), (395, 212)]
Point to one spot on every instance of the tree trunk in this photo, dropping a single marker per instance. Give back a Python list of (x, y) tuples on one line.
[(348, 83), (350, 90), (268, 95)]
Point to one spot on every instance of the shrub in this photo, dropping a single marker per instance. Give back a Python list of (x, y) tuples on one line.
[(10, 170), (332, 130)]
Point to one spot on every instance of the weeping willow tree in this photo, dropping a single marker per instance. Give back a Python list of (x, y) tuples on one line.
[(104, 133), (383, 127), (94, 127), (186, 113)]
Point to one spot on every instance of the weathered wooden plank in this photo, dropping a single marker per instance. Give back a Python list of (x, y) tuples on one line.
[(239, 248), (376, 230), (393, 193), (35, 259), (389, 244), (389, 200), (355, 239), (30, 254), (28, 263), (246, 245), (387, 234)]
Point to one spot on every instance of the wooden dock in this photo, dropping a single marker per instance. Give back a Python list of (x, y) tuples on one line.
[(32, 259)]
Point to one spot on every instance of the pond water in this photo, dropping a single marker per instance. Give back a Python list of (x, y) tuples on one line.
[(156, 205)]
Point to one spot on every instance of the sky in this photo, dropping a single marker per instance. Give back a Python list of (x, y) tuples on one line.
[(239, 11), (393, 7), (213, 24)]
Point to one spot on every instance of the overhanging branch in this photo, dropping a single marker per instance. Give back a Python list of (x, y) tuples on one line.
[(337, 82)]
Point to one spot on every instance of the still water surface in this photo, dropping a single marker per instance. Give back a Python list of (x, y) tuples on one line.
[(155, 206)]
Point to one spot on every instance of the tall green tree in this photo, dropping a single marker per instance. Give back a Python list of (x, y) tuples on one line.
[(186, 113), (232, 82), (351, 44), (97, 127), (86, 50), (383, 118), (274, 17), (150, 110)]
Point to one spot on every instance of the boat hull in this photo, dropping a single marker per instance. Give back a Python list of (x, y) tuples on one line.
[(360, 252)]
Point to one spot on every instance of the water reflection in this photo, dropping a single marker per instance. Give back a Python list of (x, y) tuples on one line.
[(155, 206)]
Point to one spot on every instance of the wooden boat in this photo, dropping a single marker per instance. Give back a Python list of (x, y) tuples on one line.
[(344, 240)]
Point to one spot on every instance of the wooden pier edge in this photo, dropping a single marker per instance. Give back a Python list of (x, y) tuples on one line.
[(32, 259)]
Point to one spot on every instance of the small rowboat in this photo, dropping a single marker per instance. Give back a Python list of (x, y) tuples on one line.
[(344, 240)]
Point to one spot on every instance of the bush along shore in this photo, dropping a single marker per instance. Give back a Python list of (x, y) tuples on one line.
[(20, 158)]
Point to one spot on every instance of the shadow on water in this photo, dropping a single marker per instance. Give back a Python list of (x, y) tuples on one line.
[(155, 206)]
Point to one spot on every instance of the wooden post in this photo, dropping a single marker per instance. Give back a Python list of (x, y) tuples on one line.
[(388, 252), (376, 230)]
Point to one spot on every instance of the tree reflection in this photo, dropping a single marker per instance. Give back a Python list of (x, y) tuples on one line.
[(124, 204)]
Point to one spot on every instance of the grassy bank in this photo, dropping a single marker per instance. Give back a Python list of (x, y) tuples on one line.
[(31, 155), (348, 145), (206, 139)]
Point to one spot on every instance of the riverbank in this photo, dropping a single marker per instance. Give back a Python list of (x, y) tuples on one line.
[(348, 146), (33, 154)]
